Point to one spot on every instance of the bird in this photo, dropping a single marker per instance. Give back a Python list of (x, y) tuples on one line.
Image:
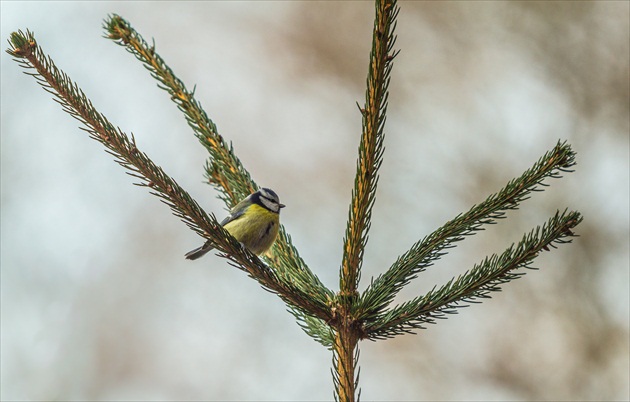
[(254, 222)]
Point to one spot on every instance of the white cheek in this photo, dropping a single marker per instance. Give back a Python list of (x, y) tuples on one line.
[(269, 204)]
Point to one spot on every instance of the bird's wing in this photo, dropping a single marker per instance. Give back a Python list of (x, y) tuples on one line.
[(232, 217)]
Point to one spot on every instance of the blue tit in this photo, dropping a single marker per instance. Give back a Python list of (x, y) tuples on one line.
[(254, 222)]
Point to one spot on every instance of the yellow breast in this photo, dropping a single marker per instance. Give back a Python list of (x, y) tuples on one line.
[(257, 228)]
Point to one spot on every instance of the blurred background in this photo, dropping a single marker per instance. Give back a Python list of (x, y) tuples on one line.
[(98, 302)]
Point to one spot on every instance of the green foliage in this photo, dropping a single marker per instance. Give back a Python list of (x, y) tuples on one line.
[(336, 320), (421, 255), (483, 278)]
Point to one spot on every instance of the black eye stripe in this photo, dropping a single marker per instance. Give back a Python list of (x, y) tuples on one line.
[(267, 199)]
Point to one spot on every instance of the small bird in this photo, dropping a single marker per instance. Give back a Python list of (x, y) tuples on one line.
[(254, 222)]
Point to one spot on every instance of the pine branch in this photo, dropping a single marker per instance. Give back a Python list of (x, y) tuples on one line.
[(126, 153), (373, 113), (229, 176), (382, 291), (476, 284), (371, 145), (223, 168)]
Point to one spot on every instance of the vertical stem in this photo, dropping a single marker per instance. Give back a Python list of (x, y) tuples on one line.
[(363, 197), (346, 340), (370, 146)]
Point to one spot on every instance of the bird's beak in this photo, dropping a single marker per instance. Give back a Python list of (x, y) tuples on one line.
[(282, 205)]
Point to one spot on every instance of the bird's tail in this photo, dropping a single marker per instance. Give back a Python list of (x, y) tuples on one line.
[(198, 252)]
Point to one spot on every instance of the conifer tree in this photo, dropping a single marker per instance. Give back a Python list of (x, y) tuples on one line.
[(336, 319)]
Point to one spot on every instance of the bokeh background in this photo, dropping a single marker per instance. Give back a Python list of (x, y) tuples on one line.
[(99, 304)]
